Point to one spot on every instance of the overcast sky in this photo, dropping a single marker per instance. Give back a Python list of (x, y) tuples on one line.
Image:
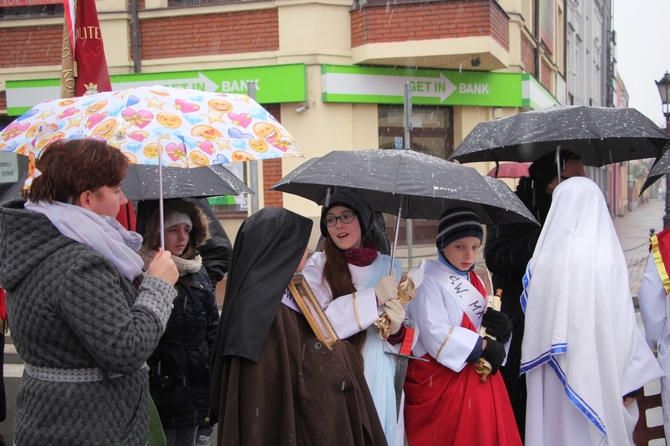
[(643, 51)]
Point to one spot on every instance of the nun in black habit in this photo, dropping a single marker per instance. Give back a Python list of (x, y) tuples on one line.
[(273, 382)]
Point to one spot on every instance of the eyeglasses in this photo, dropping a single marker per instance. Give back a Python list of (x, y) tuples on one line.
[(345, 218)]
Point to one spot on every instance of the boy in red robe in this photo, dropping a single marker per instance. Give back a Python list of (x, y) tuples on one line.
[(446, 401)]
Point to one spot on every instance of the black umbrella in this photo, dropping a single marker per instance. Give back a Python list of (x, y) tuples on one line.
[(600, 135), (507, 195), (142, 183), (660, 168), (13, 193), (405, 183)]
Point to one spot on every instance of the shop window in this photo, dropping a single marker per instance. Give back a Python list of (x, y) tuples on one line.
[(432, 131), (23, 12), (433, 134)]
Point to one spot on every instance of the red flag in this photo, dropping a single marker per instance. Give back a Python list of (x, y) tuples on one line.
[(83, 39), (89, 53)]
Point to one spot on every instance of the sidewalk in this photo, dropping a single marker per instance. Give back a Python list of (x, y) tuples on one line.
[(633, 231)]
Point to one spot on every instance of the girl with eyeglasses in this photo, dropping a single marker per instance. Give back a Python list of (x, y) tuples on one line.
[(351, 280)]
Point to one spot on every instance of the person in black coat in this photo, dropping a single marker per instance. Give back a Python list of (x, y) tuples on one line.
[(508, 250), (179, 375)]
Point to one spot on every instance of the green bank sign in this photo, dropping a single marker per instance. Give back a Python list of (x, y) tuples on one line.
[(380, 85), (347, 84), (274, 84)]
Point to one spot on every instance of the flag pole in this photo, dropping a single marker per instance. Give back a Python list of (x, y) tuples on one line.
[(68, 64)]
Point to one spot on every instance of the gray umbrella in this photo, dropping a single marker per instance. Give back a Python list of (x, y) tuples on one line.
[(419, 185), (142, 183), (600, 135), (660, 168)]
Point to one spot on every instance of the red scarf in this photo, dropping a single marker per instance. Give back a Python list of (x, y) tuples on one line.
[(361, 256)]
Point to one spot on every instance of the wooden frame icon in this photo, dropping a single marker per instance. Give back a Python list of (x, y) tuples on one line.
[(311, 309)]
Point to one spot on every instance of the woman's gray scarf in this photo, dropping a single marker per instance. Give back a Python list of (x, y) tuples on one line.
[(102, 233)]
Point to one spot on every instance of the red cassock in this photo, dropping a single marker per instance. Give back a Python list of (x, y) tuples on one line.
[(443, 407)]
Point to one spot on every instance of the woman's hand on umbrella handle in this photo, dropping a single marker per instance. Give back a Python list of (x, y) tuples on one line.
[(163, 267), (386, 289)]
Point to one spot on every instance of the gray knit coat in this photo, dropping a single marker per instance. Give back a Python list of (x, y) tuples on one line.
[(70, 308)]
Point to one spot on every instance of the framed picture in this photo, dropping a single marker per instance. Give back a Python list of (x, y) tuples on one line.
[(311, 309)]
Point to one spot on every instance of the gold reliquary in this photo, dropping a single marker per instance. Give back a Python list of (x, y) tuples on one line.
[(311, 309)]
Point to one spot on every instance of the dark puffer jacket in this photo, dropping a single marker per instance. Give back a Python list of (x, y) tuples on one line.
[(180, 364), (70, 308), (179, 374)]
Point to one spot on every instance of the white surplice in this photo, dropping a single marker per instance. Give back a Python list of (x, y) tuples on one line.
[(582, 350), (439, 314)]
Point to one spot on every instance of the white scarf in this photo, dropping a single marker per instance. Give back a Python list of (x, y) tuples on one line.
[(102, 233), (184, 266), (580, 319)]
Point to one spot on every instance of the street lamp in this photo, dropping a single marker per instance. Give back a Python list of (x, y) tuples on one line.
[(664, 91)]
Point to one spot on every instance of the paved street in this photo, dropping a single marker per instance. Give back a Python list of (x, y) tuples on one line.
[(633, 231)]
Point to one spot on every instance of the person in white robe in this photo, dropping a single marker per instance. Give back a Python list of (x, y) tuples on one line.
[(654, 301), (346, 221), (583, 354)]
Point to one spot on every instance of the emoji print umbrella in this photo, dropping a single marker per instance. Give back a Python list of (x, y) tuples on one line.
[(157, 125), (186, 128)]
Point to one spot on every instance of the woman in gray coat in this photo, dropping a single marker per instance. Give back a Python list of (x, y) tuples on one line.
[(83, 330)]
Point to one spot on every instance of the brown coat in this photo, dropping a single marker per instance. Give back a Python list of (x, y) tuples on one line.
[(299, 392)]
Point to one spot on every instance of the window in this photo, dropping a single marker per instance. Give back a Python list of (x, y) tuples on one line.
[(432, 131), (22, 12)]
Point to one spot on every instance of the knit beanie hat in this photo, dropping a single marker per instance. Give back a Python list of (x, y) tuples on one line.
[(351, 199), (175, 218), (456, 223)]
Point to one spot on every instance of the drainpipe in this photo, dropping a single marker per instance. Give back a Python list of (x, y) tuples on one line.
[(135, 36), (538, 59)]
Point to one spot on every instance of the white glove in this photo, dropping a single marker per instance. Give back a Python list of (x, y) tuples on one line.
[(386, 289), (396, 312)]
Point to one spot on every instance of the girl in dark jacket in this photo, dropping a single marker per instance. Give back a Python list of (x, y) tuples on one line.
[(179, 376)]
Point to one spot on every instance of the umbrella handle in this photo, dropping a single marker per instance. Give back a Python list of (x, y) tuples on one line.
[(395, 237), (160, 201), (558, 163)]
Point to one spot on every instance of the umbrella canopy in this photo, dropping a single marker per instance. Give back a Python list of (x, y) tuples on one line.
[(510, 170), (660, 168), (600, 135), (141, 183), (189, 128), (508, 196), (423, 185)]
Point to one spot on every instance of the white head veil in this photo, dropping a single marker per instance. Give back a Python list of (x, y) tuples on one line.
[(580, 318)]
